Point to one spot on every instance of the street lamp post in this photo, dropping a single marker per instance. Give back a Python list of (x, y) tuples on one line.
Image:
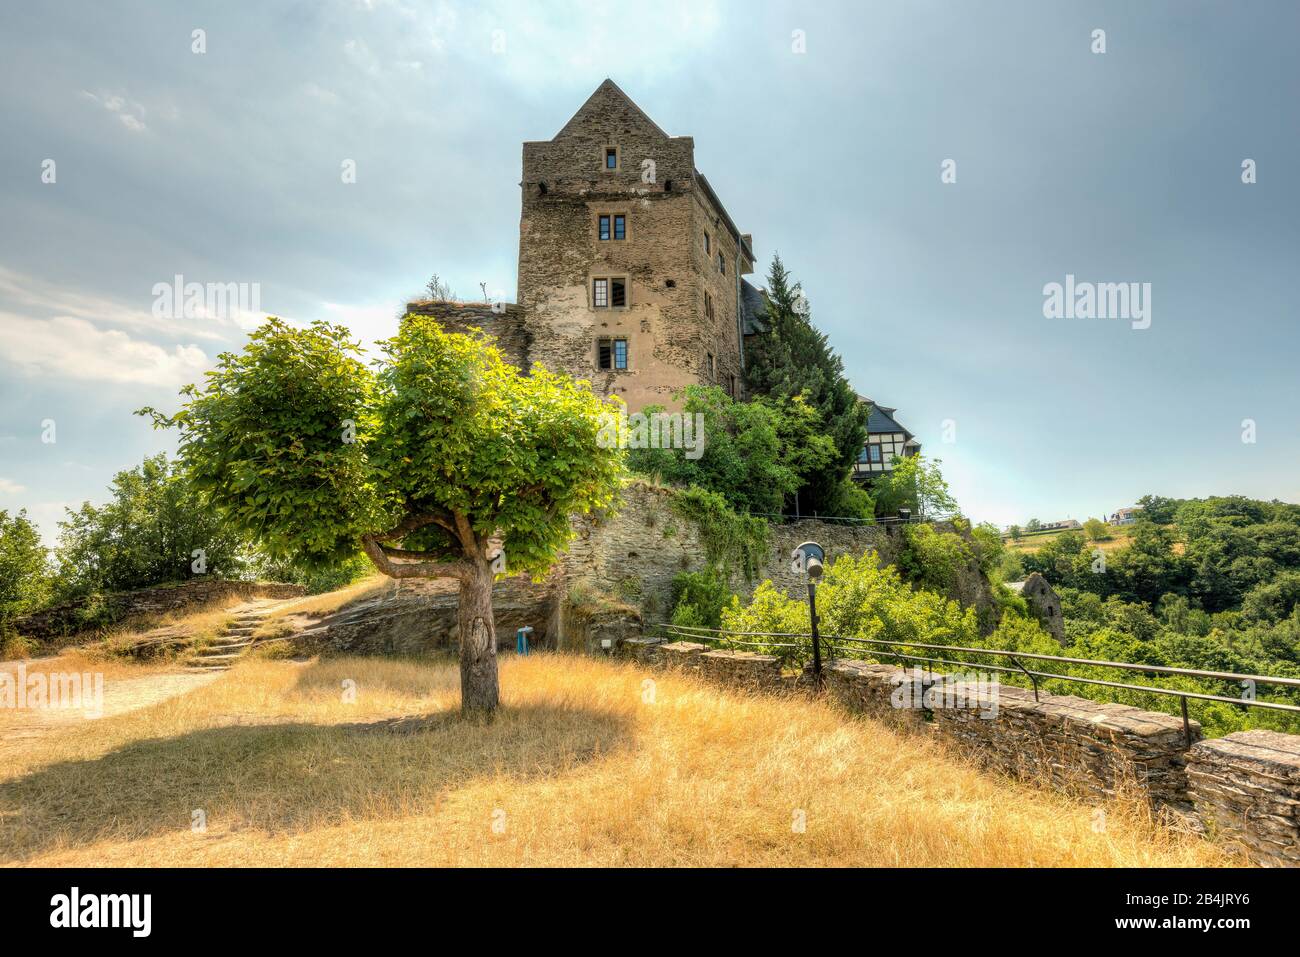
[(808, 560)]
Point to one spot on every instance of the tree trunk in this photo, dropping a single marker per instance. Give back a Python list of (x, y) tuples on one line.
[(478, 643)]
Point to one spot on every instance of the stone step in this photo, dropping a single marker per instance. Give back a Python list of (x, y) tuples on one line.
[(218, 657), (211, 650)]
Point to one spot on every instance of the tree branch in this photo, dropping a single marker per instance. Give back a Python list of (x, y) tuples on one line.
[(382, 561)]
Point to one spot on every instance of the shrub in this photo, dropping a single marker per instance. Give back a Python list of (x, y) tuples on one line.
[(858, 599), (699, 598)]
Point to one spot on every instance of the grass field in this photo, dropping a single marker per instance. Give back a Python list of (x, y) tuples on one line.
[(587, 765), (1033, 541)]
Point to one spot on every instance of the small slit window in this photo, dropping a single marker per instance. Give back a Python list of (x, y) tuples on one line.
[(611, 157)]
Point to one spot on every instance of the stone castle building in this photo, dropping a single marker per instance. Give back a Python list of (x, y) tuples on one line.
[(631, 271)]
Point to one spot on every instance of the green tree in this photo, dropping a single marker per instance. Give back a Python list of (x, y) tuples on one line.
[(445, 462), (154, 529), (24, 568), (914, 483), (794, 359), (754, 452), (1096, 530), (1014, 532)]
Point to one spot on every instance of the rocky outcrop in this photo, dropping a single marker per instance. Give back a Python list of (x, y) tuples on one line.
[(419, 617)]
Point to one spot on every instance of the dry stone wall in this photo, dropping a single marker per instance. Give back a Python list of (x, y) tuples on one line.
[(1246, 789)]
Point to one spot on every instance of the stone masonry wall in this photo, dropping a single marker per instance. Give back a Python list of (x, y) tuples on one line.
[(504, 322), (99, 611), (635, 554), (1246, 789)]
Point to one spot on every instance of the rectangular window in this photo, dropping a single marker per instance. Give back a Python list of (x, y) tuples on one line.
[(722, 264), (707, 246), (611, 157), (611, 353), (708, 306), (619, 227), (712, 365), (732, 391), (873, 453), (604, 228), (618, 292), (600, 293)]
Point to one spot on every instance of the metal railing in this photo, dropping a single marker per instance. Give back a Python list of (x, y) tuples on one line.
[(888, 648)]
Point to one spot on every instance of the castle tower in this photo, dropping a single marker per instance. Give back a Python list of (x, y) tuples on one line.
[(630, 268)]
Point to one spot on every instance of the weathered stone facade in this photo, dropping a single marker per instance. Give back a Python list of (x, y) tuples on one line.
[(99, 611), (676, 253), (1044, 603)]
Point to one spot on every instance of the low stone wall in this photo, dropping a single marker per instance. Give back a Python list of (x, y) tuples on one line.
[(742, 669), (98, 611), (1070, 743), (1243, 789), (1246, 789)]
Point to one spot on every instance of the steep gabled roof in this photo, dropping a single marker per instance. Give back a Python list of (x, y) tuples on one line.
[(882, 419), (753, 308), (607, 89)]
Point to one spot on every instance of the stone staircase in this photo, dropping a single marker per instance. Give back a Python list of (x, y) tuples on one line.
[(225, 650)]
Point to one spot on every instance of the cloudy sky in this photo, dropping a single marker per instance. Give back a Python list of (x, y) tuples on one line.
[(1124, 166)]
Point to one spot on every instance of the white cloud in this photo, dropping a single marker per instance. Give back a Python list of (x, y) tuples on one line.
[(129, 112), (48, 299), (77, 349), (10, 487)]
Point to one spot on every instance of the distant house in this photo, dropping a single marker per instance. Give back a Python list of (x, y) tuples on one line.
[(1058, 526), (1125, 516), (887, 440)]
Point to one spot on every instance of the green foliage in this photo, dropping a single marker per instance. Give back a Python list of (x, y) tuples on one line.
[(732, 541), (264, 443), (794, 359), (25, 578), (315, 578), (1096, 530), (145, 535), (851, 500), (914, 483), (858, 599), (298, 444), (754, 452), (699, 597), (933, 559)]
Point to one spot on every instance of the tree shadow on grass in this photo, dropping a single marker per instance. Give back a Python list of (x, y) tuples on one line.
[(282, 778)]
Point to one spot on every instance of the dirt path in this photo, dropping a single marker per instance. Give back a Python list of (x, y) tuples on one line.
[(120, 695)]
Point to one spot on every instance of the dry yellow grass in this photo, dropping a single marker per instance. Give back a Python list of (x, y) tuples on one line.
[(579, 769)]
